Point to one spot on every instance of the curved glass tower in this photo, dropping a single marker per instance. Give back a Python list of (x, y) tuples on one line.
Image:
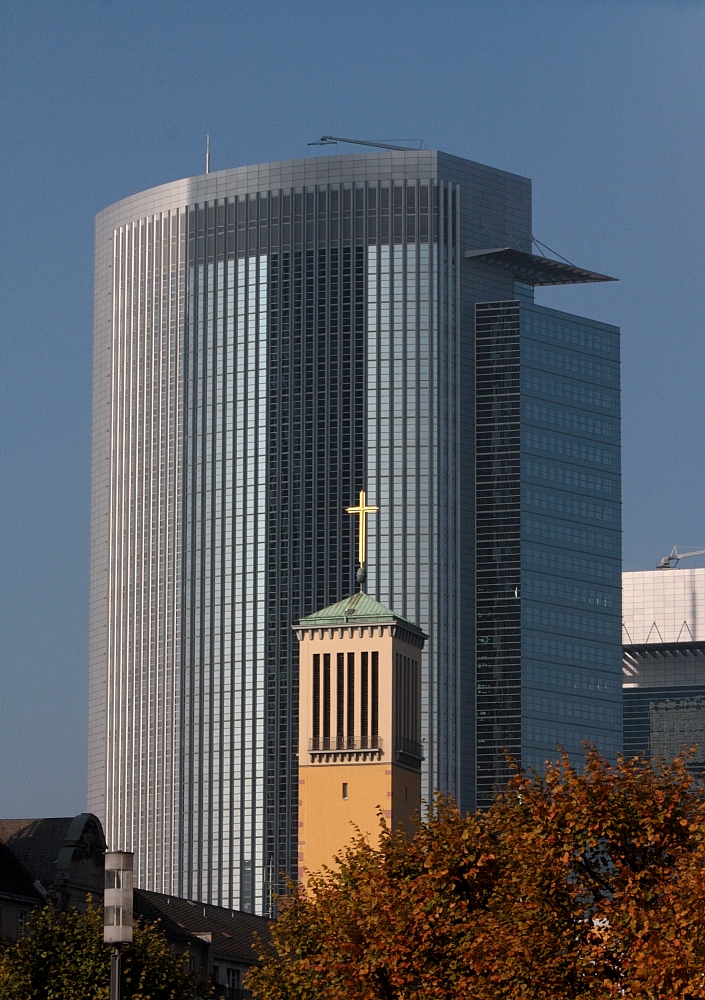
[(269, 341)]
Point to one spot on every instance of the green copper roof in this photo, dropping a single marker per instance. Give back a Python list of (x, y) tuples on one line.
[(359, 608)]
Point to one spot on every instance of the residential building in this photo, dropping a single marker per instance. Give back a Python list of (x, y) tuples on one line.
[(60, 860)]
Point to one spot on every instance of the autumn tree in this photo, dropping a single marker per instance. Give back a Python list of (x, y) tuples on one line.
[(572, 885), (61, 956)]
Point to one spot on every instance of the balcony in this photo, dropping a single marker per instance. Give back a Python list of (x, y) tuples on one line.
[(330, 748), (327, 748)]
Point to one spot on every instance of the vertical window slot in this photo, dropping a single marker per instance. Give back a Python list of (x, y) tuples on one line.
[(326, 701), (364, 700), (316, 721), (351, 700), (340, 700), (374, 707)]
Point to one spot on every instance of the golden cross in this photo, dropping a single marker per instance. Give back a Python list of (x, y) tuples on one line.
[(362, 510)]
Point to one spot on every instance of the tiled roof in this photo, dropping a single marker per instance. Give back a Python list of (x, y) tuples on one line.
[(36, 843), (149, 910), (233, 932)]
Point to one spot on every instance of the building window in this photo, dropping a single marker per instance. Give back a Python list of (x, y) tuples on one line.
[(340, 700), (316, 699), (374, 708), (326, 701), (351, 700), (345, 789), (364, 702)]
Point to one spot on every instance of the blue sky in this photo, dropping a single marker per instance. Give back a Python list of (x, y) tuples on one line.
[(600, 103)]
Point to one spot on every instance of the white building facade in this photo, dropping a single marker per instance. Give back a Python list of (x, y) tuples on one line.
[(664, 663)]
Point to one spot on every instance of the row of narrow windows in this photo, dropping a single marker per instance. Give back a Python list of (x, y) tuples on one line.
[(336, 723), (265, 222), (345, 702)]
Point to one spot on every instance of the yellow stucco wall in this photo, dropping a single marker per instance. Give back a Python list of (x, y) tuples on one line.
[(327, 821), (326, 818)]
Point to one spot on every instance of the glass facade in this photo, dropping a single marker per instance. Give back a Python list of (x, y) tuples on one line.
[(548, 537), (269, 341), (664, 702)]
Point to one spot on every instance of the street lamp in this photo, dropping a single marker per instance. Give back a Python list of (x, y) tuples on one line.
[(117, 910)]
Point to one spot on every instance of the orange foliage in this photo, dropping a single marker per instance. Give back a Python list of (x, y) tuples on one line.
[(571, 885)]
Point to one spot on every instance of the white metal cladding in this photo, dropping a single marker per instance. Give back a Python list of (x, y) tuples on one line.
[(143, 691), (663, 605), (149, 669)]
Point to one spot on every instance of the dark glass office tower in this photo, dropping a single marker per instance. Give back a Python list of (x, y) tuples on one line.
[(268, 341), (548, 522)]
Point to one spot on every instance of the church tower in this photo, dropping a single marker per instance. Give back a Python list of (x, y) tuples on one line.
[(359, 721)]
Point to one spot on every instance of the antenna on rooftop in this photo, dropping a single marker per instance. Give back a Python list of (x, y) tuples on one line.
[(332, 140), (208, 154)]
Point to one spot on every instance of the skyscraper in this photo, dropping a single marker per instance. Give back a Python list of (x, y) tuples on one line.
[(269, 341)]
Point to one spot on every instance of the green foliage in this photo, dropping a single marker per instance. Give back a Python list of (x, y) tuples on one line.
[(62, 957), (583, 886)]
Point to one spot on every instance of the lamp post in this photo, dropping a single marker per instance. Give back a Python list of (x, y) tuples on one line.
[(117, 910)]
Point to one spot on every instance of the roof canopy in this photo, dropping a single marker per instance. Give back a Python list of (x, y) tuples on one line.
[(533, 270)]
